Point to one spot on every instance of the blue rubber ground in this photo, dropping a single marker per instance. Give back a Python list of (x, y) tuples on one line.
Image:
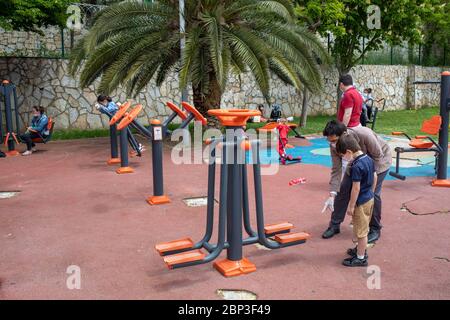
[(318, 153)]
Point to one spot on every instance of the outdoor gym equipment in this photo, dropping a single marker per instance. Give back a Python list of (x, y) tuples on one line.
[(113, 136), (233, 207), (435, 125), (157, 132), (374, 113), (11, 113), (126, 117)]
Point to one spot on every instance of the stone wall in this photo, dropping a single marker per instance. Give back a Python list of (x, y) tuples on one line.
[(22, 43), (46, 82)]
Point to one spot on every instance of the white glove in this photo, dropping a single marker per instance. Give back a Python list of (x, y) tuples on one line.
[(329, 204), (290, 119), (97, 106)]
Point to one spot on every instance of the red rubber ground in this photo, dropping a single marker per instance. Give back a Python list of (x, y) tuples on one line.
[(75, 210)]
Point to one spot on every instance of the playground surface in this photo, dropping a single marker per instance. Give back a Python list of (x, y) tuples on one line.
[(73, 209)]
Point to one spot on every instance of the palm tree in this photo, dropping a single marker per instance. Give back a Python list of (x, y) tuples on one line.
[(132, 42)]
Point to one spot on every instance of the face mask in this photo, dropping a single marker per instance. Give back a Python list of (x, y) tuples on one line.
[(347, 158)]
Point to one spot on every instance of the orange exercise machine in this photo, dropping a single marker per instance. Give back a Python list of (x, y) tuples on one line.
[(233, 207), (435, 125), (157, 132)]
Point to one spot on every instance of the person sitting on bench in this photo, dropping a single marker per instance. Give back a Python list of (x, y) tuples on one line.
[(37, 129)]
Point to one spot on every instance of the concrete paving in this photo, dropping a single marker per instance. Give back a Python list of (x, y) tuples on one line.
[(73, 209)]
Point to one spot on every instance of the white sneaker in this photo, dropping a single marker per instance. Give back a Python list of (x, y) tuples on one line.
[(141, 147), (27, 153), (34, 149)]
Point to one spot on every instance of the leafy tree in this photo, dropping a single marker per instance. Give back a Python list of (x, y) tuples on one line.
[(132, 42), (436, 27), (346, 20), (30, 15), (318, 15)]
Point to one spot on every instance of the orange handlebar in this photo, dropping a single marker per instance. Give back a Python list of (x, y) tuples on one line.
[(198, 116), (128, 118), (120, 113), (174, 108)]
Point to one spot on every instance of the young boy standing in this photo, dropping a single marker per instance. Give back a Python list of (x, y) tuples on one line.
[(361, 169)]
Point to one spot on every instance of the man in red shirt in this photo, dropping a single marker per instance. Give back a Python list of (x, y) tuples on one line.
[(350, 108)]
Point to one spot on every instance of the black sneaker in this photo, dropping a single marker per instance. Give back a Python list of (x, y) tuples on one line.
[(352, 252), (373, 236), (355, 262), (330, 232)]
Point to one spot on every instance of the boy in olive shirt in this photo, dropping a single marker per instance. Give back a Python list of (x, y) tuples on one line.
[(361, 170)]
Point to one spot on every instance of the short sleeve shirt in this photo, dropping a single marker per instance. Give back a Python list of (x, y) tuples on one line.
[(351, 99), (362, 170)]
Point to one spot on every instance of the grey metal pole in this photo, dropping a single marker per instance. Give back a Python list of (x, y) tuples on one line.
[(8, 118), (157, 164), (16, 108), (124, 168), (184, 93), (2, 100), (443, 134), (234, 236), (114, 145)]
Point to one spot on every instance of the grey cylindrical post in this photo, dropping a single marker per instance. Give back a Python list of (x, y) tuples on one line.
[(158, 182), (245, 203), (443, 134), (2, 101), (123, 148), (113, 140), (234, 252), (157, 164), (16, 109), (8, 118)]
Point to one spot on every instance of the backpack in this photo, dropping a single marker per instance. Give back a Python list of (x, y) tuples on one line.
[(276, 112)]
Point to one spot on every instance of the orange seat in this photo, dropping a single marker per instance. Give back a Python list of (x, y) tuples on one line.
[(50, 126), (421, 144), (431, 127)]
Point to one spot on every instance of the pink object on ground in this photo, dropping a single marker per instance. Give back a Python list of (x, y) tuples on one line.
[(297, 181)]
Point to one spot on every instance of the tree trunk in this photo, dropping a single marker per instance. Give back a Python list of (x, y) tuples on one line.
[(304, 114), (338, 90), (211, 100)]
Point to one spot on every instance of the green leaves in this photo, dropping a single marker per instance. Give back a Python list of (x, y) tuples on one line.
[(30, 15), (133, 42), (346, 20)]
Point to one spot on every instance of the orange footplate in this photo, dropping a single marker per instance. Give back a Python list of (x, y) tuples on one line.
[(278, 227), (174, 245), (291, 237), (184, 257)]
